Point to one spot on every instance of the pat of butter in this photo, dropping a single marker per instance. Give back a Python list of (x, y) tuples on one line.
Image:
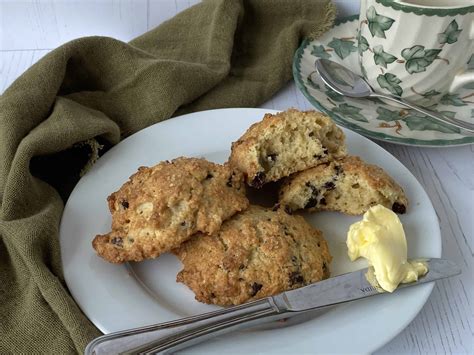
[(380, 238)]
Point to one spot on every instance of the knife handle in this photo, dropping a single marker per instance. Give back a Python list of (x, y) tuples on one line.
[(175, 335)]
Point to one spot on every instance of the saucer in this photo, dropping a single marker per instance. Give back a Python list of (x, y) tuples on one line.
[(373, 117)]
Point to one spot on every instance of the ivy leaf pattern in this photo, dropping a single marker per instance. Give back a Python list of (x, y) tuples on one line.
[(430, 94), (342, 47), (320, 52), (418, 58), (450, 34), (419, 122), (383, 58), (362, 43), (312, 83), (378, 24), (390, 82), (350, 111), (452, 99), (388, 115), (334, 96)]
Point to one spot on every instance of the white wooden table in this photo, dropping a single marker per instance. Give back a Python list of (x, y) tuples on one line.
[(30, 29)]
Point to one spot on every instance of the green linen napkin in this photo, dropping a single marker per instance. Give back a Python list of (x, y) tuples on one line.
[(92, 92)]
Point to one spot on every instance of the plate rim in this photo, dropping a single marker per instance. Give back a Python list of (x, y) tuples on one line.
[(298, 79), (400, 325)]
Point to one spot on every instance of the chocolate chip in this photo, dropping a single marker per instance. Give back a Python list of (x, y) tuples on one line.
[(338, 169), (213, 295), (229, 181), (258, 180), (124, 204), (399, 208), (317, 156), (329, 185), (311, 134), (312, 202), (241, 267), (209, 176), (118, 241), (288, 209), (319, 244), (255, 288), (322, 201), (296, 278), (183, 223), (325, 151)]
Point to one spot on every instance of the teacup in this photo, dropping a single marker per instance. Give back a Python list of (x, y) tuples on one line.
[(417, 49)]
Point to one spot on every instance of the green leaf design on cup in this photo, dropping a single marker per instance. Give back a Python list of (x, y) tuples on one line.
[(378, 24), (343, 47), (390, 82), (320, 52), (452, 99), (450, 34), (419, 122), (362, 43), (430, 94), (387, 115), (418, 58), (383, 58), (350, 111)]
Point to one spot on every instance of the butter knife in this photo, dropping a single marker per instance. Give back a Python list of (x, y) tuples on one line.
[(172, 336)]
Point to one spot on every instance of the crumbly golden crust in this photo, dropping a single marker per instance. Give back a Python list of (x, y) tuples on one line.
[(348, 185), (285, 143), (255, 254), (162, 206)]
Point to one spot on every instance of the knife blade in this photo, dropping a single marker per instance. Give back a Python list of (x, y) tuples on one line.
[(352, 286), (175, 335)]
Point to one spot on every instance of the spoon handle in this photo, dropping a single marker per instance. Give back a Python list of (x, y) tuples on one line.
[(465, 128)]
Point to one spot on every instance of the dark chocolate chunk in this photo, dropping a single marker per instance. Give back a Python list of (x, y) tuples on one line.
[(241, 267), (118, 241), (322, 201), (213, 295), (124, 204), (209, 176), (312, 202), (329, 185), (296, 278), (399, 208), (258, 180), (338, 169), (317, 156), (325, 151), (255, 288)]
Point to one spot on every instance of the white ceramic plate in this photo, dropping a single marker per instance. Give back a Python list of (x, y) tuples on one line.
[(117, 297)]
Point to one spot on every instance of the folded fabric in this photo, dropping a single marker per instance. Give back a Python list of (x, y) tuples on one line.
[(88, 94)]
